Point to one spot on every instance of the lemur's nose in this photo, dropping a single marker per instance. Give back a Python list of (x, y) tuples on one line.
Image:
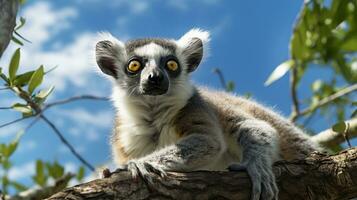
[(155, 77)]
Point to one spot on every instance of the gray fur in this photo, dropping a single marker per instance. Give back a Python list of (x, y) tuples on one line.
[(191, 128)]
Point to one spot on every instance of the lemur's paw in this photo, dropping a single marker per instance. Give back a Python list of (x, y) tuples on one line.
[(263, 180), (143, 169)]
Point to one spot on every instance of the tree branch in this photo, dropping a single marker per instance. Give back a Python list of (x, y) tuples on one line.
[(14, 121), (65, 142), (75, 98), (330, 138), (221, 77), (5, 108), (293, 92), (331, 98), (317, 177), (4, 88)]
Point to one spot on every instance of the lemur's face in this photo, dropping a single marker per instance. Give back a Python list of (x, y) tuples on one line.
[(149, 66)]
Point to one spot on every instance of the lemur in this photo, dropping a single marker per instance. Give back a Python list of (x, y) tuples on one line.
[(165, 123)]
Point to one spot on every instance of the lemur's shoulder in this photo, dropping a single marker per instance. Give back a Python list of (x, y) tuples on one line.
[(232, 104)]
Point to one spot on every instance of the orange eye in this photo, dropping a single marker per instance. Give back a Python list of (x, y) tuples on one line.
[(172, 65), (134, 66)]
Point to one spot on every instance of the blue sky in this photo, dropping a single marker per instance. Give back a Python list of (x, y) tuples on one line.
[(249, 39)]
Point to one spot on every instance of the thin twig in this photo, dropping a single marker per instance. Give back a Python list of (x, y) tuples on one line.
[(221, 77), (75, 98), (293, 93), (15, 121), (4, 88), (65, 142), (33, 122), (308, 119), (329, 99), (5, 108), (50, 70), (293, 72)]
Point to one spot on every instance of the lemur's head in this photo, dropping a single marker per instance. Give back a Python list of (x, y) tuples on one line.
[(151, 66)]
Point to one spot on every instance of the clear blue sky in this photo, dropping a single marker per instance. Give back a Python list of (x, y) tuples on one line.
[(249, 39)]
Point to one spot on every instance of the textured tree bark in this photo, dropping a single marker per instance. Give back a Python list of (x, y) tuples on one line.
[(8, 11), (317, 177)]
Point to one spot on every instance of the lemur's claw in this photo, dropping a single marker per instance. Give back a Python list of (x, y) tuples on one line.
[(144, 170), (263, 181)]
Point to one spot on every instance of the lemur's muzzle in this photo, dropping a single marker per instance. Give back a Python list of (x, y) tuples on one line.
[(156, 83)]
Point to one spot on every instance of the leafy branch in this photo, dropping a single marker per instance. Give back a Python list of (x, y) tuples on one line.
[(35, 106)]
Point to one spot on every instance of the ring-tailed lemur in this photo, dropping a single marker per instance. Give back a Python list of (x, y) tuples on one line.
[(164, 123)]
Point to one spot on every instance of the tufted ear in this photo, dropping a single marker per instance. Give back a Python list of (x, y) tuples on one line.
[(192, 45), (108, 53)]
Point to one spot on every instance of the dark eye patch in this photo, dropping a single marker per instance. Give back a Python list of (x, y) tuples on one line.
[(163, 62)]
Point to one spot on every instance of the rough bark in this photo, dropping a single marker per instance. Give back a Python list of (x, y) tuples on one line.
[(8, 11), (317, 177)]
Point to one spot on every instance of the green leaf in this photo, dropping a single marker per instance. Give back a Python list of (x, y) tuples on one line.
[(317, 85), (43, 94), (40, 178), (55, 170), (36, 79), (22, 23), (5, 181), (339, 127), (230, 86), (346, 69), (2, 149), (14, 143), (23, 79), (279, 71), (80, 173), (350, 44), (17, 41), (6, 164), (18, 186), (338, 12), (8, 150), (14, 64), (25, 109)]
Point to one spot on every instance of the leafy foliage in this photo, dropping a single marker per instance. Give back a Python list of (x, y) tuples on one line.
[(26, 87), (325, 35)]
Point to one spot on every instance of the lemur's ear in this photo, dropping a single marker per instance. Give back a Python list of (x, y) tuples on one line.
[(192, 45), (108, 53)]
